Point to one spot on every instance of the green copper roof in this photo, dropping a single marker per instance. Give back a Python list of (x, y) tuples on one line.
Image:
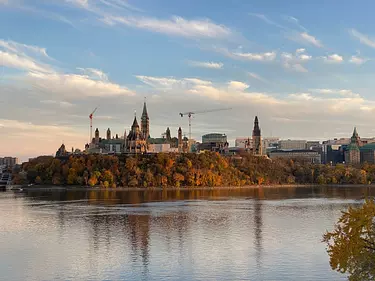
[(352, 146), (369, 146)]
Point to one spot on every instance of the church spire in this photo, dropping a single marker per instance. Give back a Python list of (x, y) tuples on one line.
[(145, 122), (256, 131), (135, 122), (144, 113)]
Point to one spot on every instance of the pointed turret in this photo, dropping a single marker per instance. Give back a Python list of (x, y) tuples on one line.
[(135, 123), (97, 136), (257, 140), (145, 122), (144, 112), (256, 130), (355, 139), (108, 134), (168, 134)]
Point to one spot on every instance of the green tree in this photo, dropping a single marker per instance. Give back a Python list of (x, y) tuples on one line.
[(351, 245)]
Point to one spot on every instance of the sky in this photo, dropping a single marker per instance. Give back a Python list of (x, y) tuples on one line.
[(305, 68)]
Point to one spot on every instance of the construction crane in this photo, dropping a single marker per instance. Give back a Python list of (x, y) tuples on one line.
[(91, 116), (191, 113)]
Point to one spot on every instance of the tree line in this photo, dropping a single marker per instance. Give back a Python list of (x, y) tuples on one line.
[(208, 169)]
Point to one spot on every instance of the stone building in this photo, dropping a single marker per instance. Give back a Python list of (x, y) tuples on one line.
[(135, 142), (352, 153), (368, 153), (297, 154)]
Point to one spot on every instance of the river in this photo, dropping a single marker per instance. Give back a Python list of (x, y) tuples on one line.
[(247, 234)]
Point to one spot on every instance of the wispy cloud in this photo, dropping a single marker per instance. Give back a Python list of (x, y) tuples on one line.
[(22, 56), (94, 73), (305, 38), (256, 76), (120, 4), (334, 58), (204, 64), (267, 20), (358, 60), (295, 21), (268, 56), (177, 26), (22, 48), (363, 38), (46, 78)]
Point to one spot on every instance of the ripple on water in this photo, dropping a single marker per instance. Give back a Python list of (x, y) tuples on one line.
[(229, 238)]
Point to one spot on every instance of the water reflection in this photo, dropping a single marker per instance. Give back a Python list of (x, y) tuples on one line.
[(111, 197), (244, 234)]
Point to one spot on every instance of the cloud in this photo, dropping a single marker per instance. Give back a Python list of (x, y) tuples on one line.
[(363, 38), (177, 26), (305, 38), (203, 64), (334, 58), (342, 92), (16, 47), (356, 59), (158, 82), (21, 62), (295, 21), (301, 96), (267, 20), (23, 57), (94, 73), (295, 61), (81, 3), (232, 91), (76, 86), (120, 4), (256, 76), (44, 77), (237, 86), (62, 104), (268, 56)]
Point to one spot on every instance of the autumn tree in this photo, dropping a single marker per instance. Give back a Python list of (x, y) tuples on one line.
[(351, 245)]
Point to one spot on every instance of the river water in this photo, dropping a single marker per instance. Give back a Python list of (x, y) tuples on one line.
[(252, 234)]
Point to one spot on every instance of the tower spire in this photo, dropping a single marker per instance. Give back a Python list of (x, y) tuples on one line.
[(145, 122)]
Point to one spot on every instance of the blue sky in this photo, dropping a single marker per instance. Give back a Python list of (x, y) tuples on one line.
[(305, 67)]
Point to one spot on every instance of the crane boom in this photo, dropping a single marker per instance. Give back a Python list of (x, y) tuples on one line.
[(91, 116), (203, 111), (191, 113)]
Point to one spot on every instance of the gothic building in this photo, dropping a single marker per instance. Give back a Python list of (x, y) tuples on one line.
[(352, 153), (257, 138), (136, 142)]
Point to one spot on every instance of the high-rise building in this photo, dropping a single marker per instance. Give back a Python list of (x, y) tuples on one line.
[(257, 138), (8, 161), (145, 123)]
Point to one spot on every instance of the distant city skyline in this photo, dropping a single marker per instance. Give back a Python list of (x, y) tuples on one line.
[(302, 69)]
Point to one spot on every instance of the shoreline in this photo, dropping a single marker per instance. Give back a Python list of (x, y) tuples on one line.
[(172, 188)]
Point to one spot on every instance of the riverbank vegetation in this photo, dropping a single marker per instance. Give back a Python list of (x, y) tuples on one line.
[(191, 170), (351, 245)]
